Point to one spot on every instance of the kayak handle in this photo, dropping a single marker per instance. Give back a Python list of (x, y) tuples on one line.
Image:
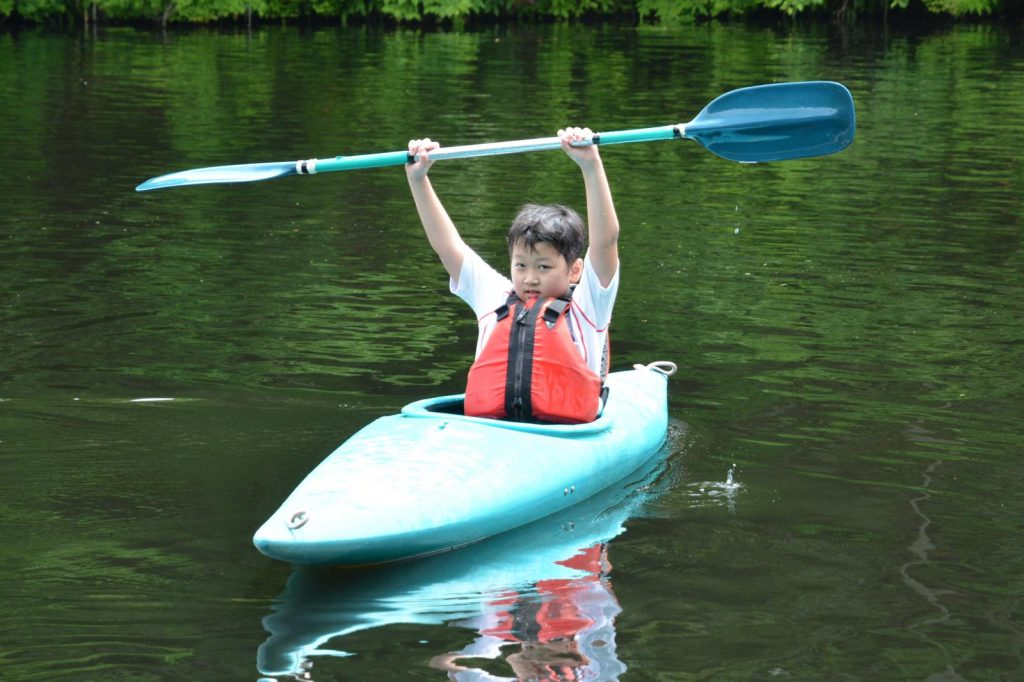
[(666, 367), (298, 520)]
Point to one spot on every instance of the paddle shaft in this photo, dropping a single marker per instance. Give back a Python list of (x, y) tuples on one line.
[(340, 163)]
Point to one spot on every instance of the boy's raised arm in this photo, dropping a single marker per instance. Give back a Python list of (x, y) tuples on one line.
[(602, 221), (440, 229)]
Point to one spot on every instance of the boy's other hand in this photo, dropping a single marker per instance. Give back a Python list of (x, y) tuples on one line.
[(584, 156), (418, 169)]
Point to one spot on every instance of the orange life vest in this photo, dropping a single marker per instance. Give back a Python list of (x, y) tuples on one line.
[(530, 370)]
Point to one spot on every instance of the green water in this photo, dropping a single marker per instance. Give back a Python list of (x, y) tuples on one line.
[(849, 331)]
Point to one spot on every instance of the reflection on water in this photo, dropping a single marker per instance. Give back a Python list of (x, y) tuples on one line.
[(564, 629), (920, 548), (537, 600)]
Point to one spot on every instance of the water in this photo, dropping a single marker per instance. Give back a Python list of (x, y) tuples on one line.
[(841, 495)]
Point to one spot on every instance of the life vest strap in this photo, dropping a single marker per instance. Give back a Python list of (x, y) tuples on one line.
[(555, 309)]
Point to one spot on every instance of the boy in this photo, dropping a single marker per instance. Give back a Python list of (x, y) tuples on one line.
[(561, 295)]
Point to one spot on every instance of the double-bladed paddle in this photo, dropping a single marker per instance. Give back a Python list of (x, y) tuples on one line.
[(760, 123)]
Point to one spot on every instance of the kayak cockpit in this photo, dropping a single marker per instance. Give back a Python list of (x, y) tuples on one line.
[(450, 408)]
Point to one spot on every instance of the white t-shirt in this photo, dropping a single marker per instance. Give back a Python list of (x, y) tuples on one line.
[(485, 290)]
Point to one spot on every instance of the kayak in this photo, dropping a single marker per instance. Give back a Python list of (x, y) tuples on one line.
[(431, 479)]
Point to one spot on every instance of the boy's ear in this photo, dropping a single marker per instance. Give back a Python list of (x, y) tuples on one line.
[(576, 270)]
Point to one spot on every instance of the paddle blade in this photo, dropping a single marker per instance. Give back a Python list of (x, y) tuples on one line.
[(776, 122), (249, 172)]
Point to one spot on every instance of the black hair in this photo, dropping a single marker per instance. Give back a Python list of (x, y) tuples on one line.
[(557, 225)]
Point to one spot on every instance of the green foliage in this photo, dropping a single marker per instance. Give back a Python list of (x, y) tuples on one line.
[(37, 10), (407, 11), (403, 10), (568, 9), (961, 7), (284, 9), (203, 11), (338, 8), (453, 9), (131, 9), (792, 7), (670, 11)]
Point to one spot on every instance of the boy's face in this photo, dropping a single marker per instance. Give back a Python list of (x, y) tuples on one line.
[(541, 272)]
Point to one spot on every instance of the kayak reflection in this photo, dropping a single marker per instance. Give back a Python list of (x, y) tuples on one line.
[(563, 629), (539, 596)]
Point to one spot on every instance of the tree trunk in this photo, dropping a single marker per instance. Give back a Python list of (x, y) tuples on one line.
[(168, 11)]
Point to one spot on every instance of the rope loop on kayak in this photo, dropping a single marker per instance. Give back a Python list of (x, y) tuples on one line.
[(298, 520), (666, 367)]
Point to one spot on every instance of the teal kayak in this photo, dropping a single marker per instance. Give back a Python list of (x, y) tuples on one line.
[(430, 479)]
